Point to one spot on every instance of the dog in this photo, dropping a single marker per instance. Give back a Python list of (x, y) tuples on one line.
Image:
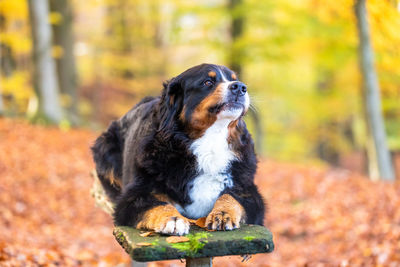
[(186, 154)]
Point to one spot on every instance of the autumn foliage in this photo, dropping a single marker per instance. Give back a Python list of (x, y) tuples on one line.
[(319, 216)]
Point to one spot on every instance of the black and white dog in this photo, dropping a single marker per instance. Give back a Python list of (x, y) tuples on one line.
[(183, 155)]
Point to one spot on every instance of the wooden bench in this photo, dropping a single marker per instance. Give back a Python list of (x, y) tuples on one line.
[(198, 247)]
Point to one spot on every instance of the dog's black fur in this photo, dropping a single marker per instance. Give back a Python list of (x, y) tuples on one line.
[(147, 151)]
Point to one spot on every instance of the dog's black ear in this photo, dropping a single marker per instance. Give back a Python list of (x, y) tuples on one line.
[(171, 103)]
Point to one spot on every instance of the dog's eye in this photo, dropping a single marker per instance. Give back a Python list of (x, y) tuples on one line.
[(208, 83)]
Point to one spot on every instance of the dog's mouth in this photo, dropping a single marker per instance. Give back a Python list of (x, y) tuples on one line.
[(218, 108)]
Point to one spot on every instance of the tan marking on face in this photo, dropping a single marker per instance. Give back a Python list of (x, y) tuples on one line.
[(227, 214), (157, 217), (233, 76), (201, 118), (212, 74)]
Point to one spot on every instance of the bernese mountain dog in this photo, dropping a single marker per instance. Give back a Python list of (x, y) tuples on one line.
[(183, 155)]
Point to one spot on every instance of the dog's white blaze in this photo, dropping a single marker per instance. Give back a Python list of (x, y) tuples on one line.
[(213, 158), (224, 79)]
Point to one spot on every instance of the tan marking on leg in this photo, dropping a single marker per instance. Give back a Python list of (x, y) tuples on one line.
[(164, 219), (163, 198), (114, 180), (182, 116), (227, 214)]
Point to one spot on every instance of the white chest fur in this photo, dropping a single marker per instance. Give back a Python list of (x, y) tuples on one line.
[(213, 158)]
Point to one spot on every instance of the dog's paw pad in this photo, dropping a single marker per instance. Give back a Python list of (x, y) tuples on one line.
[(174, 226)]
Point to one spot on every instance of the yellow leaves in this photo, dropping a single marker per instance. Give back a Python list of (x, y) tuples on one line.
[(15, 31), (17, 85), (18, 41), (14, 9), (57, 51), (64, 125), (55, 18), (18, 89)]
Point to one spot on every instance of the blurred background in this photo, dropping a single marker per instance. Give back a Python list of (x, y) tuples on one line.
[(299, 59), (68, 67)]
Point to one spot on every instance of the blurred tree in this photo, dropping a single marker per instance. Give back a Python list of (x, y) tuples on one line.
[(302, 77), (132, 59), (380, 163), (62, 18), (44, 74), (1, 102), (15, 57), (7, 62), (236, 56)]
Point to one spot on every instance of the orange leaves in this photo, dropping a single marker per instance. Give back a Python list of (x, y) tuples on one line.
[(319, 217), (201, 222), (329, 217), (46, 213)]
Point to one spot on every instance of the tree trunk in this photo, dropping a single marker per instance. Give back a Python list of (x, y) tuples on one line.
[(235, 63), (1, 101), (66, 67), (7, 62), (378, 153), (237, 22), (44, 75)]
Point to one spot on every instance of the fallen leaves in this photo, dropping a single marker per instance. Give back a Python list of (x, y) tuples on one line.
[(201, 222), (47, 216), (318, 216), (146, 234), (144, 244), (177, 239)]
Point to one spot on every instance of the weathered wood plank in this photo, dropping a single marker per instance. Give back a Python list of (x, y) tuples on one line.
[(249, 239), (198, 262)]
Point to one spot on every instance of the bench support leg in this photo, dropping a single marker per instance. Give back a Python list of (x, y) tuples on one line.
[(138, 264), (198, 262)]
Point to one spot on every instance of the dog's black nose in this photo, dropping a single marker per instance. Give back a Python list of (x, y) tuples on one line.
[(238, 88)]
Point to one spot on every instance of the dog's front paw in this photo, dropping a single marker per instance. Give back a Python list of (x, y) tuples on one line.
[(173, 226), (222, 220), (166, 220), (227, 214)]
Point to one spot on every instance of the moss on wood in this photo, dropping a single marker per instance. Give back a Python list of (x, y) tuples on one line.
[(249, 239)]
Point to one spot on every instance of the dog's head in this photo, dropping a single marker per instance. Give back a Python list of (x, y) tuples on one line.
[(202, 95)]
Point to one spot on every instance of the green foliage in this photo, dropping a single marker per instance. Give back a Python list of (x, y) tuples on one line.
[(195, 243), (248, 238), (299, 59)]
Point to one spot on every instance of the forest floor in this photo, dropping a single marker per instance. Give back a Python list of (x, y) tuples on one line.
[(319, 216)]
